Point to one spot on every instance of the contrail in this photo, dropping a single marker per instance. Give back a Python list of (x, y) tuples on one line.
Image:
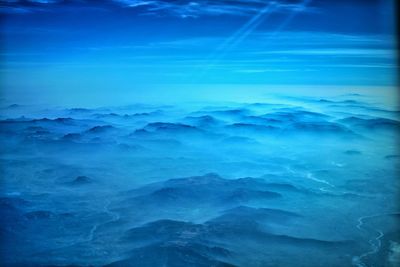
[(248, 26), (228, 44), (304, 4), (244, 31), (279, 28), (256, 23)]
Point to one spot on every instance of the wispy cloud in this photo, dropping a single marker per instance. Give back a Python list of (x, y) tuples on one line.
[(190, 8), (183, 8), (350, 52), (257, 71)]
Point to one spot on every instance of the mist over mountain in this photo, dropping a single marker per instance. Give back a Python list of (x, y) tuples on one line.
[(240, 184)]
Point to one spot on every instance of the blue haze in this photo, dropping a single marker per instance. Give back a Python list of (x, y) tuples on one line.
[(199, 133)]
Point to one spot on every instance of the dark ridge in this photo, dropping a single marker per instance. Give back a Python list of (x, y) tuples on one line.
[(149, 189), (296, 115), (260, 120), (168, 224), (353, 120), (202, 191), (320, 127), (396, 112), (285, 188), (261, 105), (41, 120), (205, 120), (172, 194), (209, 195), (352, 152), (351, 102), (140, 132), (101, 115), (175, 254), (246, 222), (311, 114), (249, 180), (79, 110), (374, 123), (348, 101), (248, 228), (165, 229), (239, 222), (244, 195), (14, 106), (124, 116), (81, 180), (142, 114), (298, 241), (392, 156), (244, 210), (252, 127), (242, 214), (100, 129), (183, 242), (231, 112), (325, 101), (64, 120), (72, 136), (207, 179), (58, 120), (15, 121), (353, 94), (155, 126), (367, 108), (214, 181)]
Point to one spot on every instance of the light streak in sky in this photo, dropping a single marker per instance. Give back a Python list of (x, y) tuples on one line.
[(249, 27)]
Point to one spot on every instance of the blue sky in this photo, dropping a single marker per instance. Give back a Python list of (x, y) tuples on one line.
[(125, 45)]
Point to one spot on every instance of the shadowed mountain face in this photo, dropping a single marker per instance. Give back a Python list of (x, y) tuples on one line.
[(291, 182)]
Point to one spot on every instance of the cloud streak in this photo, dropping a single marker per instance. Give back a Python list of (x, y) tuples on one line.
[(350, 52), (183, 9)]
